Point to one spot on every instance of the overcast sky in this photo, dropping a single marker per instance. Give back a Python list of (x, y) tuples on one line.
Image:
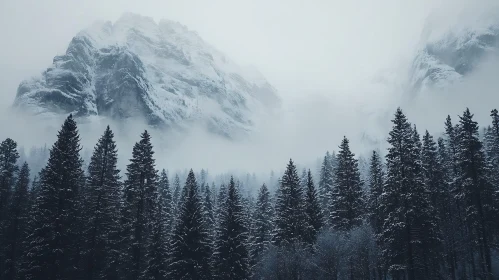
[(325, 46)]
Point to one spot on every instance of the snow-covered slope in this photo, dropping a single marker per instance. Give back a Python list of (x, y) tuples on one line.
[(161, 72), (446, 57)]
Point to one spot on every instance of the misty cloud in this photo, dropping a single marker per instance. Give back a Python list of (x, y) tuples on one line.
[(339, 67)]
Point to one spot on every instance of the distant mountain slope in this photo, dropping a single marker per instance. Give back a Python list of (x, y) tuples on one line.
[(447, 58), (137, 68)]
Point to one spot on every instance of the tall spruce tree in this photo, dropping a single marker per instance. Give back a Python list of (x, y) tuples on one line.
[(54, 244), (290, 217), (346, 206), (433, 175), (475, 191), (376, 182), (221, 199), (408, 231), (16, 226), (102, 205), (463, 245), (231, 254), (451, 132), (326, 184), (166, 200), (449, 220), (313, 210), (157, 243), (190, 248), (437, 194), (493, 149), (8, 171), (303, 178), (139, 208), (177, 189), (209, 211), (262, 228), (35, 189)]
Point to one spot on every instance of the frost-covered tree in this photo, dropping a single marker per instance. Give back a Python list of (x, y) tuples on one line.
[(231, 253), (376, 182), (312, 209), (493, 149), (190, 245), (165, 200), (474, 190), (8, 171), (325, 184), (101, 198), (347, 205), (290, 216), (262, 227), (55, 229), (208, 211), (157, 243), (177, 189), (139, 208), (409, 230), (16, 226)]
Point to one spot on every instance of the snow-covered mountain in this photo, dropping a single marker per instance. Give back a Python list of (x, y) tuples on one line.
[(162, 72), (447, 56)]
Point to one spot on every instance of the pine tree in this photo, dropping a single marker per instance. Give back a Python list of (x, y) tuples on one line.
[(222, 197), (54, 243), (326, 184), (231, 254), (313, 210), (303, 178), (139, 208), (17, 225), (8, 171), (157, 243), (462, 243), (433, 173), (219, 209), (376, 182), (475, 192), (190, 250), (262, 225), (34, 191), (290, 219), (166, 200), (452, 144), (435, 187), (449, 220), (209, 211), (248, 203), (493, 149), (346, 199), (408, 231), (176, 196), (102, 201)]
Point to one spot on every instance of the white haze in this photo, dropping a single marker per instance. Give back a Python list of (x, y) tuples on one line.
[(339, 67)]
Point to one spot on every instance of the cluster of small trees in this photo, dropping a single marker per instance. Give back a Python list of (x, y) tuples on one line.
[(428, 211)]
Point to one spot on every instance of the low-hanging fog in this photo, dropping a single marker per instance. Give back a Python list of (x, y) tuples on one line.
[(340, 69)]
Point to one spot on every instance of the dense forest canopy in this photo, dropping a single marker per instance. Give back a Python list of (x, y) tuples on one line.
[(427, 209)]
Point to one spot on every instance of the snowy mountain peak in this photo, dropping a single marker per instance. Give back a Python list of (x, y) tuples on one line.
[(162, 72), (450, 53)]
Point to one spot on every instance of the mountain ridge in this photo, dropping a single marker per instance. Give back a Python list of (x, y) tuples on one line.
[(449, 55), (162, 72)]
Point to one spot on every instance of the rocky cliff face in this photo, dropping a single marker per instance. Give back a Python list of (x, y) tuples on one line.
[(447, 58), (162, 72)]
